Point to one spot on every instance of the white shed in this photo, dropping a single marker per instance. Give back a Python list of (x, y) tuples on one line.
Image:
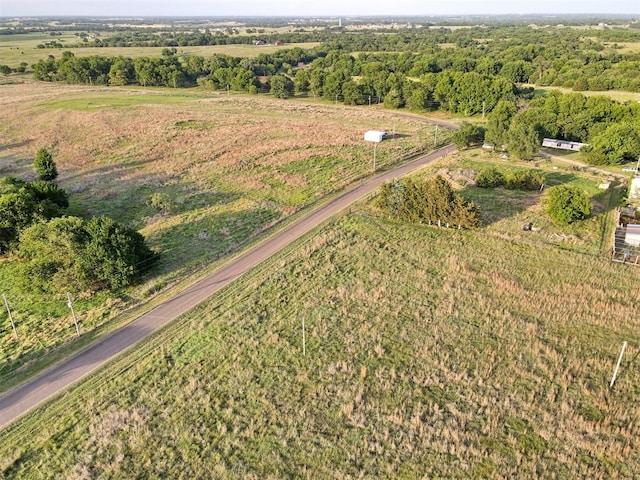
[(374, 136), (632, 235)]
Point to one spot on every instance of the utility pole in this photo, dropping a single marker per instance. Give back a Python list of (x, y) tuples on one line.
[(304, 340), (615, 372), (13, 325), (483, 104), (435, 136), (75, 320), (374, 156)]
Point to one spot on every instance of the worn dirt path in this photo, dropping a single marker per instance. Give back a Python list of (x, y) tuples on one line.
[(40, 388)]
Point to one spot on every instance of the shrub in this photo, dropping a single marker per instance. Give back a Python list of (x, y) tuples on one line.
[(69, 252), (161, 202), (490, 177), (523, 180), (431, 200), (566, 204), (44, 165), (468, 135)]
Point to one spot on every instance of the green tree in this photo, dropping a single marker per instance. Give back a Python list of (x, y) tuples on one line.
[(116, 255), (351, 93), (69, 252), (619, 142), (44, 165), (468, 135), (302, 81), (523, 139), (566, 204), (53, 254), (430, 200), (499, 122), (23, 203), (281, 86)]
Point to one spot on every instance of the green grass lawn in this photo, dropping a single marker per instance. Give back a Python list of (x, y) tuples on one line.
[(444, 353)]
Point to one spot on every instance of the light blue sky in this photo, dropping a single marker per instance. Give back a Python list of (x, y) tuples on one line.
[(308, 7)]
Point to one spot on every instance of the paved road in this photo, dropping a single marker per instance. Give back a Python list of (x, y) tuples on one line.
[(26, 396)]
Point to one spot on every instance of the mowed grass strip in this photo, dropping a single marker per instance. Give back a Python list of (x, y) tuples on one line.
[(429, 352)]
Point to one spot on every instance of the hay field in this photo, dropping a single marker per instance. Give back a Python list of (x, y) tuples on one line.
[(18, 48), (429, 354), (201, 175)]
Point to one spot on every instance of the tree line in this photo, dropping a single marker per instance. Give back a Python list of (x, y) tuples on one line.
[(462, 81)]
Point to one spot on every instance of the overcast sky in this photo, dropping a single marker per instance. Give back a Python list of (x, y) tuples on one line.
[(308, 7)]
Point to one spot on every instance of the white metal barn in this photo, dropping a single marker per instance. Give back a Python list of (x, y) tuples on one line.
[(562, 144), (374, 136), (632, 235)]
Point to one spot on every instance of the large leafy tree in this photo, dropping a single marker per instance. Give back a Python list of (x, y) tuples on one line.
[(619, 142), (523, 139), (468, 135), (281, 86), (68, 252), (567, 204), (24, 203), (53, 254), (114, 254), (499, 122)]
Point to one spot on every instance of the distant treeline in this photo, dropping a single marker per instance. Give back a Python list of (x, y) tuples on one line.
[(475, 77), (547, 57)]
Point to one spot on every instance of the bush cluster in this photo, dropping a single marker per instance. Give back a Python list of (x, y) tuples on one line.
[(430, 200), (491, 177), (65, 252), (567, 204)]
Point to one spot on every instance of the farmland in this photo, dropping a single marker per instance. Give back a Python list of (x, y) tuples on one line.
[(205, 175), (15, 49), (428, 352), (369, 348)]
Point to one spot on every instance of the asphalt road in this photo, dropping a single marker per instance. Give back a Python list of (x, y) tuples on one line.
[(23, 398)]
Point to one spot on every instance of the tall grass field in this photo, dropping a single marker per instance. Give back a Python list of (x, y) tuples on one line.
[(430, 353)]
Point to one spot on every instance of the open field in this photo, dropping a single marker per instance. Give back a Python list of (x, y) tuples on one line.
[(201, 174), (429, 353), (15, 49), (618, 95)]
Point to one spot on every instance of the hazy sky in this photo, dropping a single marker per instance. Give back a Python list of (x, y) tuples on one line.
[(308, 7)]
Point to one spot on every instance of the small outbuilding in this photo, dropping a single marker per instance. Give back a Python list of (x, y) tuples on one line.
[(562, 144), (632, 235), (374, 136)]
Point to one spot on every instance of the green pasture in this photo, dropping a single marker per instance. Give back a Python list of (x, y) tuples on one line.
[(429, 351), (204, 217), (618, 95), (18, 48)]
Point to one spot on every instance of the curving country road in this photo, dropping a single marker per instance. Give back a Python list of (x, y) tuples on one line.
[(26, 396)]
